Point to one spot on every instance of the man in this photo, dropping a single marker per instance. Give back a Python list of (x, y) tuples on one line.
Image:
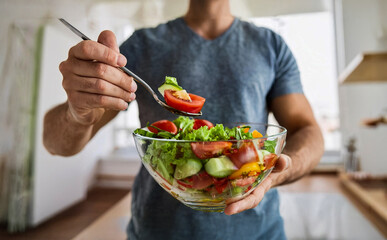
[(243, 71)]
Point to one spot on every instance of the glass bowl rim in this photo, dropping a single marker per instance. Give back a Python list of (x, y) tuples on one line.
[(284, 131)]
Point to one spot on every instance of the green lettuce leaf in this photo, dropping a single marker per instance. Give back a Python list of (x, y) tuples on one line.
[(270, 145), (172, 81), (184, 125)]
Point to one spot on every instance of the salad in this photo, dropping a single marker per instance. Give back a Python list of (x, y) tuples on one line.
[(207, 160), (178, 98)]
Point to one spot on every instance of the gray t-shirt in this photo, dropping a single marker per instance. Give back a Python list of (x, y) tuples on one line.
[(238, 73)]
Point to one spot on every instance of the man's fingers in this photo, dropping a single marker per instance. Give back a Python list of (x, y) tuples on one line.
[(108, 39), (90, 50), (103, 71), (99, 86), (89, 100), (251, 201)]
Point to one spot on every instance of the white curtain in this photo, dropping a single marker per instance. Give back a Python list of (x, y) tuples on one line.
[(18, 96)]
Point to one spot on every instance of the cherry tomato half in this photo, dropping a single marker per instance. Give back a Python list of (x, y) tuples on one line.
[(244, 181), (220, 184), (245, 154), (270, 160), (165, 125), (199, 181), (198, 123), (183, 105), (204, 150)]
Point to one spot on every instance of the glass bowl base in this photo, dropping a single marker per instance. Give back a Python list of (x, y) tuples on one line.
[(219, 208)]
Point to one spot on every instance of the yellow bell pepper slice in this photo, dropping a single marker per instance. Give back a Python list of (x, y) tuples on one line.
[(245, 170), (256, 134)]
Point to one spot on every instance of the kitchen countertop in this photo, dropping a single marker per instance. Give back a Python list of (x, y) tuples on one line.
[(369, 195)]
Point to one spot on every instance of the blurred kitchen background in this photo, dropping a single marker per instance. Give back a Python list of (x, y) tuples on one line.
[(341, 49)]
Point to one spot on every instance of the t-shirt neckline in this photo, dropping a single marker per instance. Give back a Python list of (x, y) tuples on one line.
[(201, 39)]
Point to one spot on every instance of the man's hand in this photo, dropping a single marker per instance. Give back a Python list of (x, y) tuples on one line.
[(96, 90), (252, 200), (93, 82)]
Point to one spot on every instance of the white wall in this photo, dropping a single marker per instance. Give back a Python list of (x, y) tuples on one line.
[(365, 27), (34, 13), (360, 101), (364, 30)]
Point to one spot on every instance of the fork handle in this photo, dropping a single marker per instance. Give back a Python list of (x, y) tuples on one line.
[(140, 81)]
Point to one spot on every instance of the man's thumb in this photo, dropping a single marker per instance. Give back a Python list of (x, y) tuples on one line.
[(282, 163)]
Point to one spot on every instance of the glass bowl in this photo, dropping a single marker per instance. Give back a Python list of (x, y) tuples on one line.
[(209, 182)]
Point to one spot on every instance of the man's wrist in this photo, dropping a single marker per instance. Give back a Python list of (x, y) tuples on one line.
[(74, 120)]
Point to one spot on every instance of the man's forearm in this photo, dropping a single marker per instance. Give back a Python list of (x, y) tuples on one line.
[(305, 147), (62, 135)]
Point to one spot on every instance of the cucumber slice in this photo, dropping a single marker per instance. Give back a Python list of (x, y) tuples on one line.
[(191, 167), (169, 84), (164, 87), (220, 167)]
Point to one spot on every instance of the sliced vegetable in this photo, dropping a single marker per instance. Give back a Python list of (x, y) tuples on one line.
[(165, 125), (256, 134), (189, 168), (245, 154), (204, 150), (184, 184), (220, 184), (241, 182), (193, 106), (219, 167), (270, 160), (247, 169), (201, 180), (198, 123), (176, 97), (169, 84)]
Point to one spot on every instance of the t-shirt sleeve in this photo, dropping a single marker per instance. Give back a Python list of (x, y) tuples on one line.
[(287, 75)]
